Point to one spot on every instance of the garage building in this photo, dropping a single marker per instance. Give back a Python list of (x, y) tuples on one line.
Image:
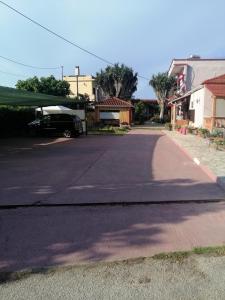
[(114, 111)]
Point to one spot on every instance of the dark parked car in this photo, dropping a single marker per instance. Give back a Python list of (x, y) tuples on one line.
[(64, 124)]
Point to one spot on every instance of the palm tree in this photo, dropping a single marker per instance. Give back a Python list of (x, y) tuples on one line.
[(117, 80), (163, 85)]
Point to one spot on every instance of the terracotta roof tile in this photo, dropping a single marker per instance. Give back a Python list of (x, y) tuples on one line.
[(217, 89), (216, 80), (113, 101)]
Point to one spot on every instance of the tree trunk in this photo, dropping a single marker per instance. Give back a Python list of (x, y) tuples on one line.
[(162, 108)]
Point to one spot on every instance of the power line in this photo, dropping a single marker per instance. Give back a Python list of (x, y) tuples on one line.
[(56, 34), (25, 65), (61, 37), (143, 77)]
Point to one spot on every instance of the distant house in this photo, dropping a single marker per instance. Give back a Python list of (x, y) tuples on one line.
[(114, 111), (191, 103), (203, 106), (82, 85)]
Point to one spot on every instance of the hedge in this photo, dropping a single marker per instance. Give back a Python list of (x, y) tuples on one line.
[(14, 120)]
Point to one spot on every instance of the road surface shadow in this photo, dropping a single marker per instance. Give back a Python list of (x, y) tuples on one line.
[(135, 167), (104, 169), (53, 236)]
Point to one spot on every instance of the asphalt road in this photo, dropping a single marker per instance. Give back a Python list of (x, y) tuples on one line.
[(194, 278), (142, 166), (65, 236)]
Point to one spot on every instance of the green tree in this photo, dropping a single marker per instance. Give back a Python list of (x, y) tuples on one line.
[(139, 112), (46, 85), (117, 81), (163, 86), (30, 84)]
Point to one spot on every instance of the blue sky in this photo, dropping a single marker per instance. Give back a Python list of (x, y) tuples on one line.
[(145, 35)]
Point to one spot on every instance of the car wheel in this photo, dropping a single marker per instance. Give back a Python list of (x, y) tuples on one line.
[(67, 133)]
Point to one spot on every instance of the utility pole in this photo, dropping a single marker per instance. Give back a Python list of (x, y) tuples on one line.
[(77, 73), (62, 72)]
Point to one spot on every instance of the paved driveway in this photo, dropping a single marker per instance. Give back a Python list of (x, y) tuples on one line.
[(140, 166), (58, 236)]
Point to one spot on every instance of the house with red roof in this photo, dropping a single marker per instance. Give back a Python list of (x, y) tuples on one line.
[(204, 106), (114, 111), (208, 104), (188, 106)]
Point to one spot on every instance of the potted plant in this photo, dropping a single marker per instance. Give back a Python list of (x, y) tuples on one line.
[(177, 127)]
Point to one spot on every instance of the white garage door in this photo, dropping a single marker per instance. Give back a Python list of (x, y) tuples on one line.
[(109, 115)]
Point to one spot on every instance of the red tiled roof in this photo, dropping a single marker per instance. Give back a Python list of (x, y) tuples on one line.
[(216, 80), (113, 101), (216, 85), (217, 90)]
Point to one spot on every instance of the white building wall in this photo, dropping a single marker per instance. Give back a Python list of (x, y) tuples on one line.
[(203, 70), (197, 104), (208, 104)]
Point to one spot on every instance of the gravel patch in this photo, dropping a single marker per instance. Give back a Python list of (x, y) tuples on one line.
[(199, 148), (196, 277)]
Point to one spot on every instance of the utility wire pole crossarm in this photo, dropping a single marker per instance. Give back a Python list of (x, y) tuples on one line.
[(77, 74), (62, 72)]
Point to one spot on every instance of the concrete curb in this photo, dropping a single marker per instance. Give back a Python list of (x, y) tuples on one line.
[(107, 204), (197, 161)]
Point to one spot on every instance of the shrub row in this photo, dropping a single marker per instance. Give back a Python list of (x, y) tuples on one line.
[(14, 120)]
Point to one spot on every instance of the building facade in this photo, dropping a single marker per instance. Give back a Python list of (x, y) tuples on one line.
[(114, 111), (208, 104), (194, 103), (82, 85), (191, 72), (203, 106)]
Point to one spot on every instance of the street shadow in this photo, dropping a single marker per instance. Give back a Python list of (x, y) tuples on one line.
[(40, 237)]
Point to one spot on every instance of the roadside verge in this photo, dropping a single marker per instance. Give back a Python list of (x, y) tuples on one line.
[(211, 161)]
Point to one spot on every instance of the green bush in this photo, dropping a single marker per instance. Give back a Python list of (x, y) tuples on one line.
[(168, 126), (177, 127), (203, 132), (217, 133), (139, 112), (190, 129), (14, 120)]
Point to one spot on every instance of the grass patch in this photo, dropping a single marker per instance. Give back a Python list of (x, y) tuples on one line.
[(148, 128), (181, 255), (215, 251), (109, 130), (174, 256)]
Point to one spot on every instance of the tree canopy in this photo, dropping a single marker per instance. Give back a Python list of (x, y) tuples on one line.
[(45, 85), (139, 112), (163, 86), (118, 81)]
